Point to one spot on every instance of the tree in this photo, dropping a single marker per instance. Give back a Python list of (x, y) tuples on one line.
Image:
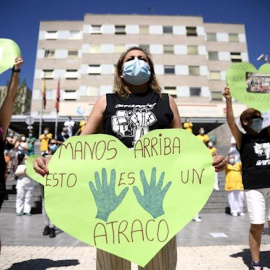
[(22, 103)]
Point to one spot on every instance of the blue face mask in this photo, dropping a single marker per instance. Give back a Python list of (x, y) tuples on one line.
[(53, 148), (136, 72), (257, 124)]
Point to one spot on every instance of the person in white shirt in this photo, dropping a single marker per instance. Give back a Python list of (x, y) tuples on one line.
[(69, 124), (25, 189)]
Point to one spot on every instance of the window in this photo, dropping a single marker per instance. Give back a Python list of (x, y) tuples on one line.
[(120, 29), (119, 48), (214, 75), (194, 70), (171, 90), (75, 34), (211, 36), (191, 31), (95, 48), (195, 91), (92, 91), (168, 49), (51, 35), (213, 55), (167, 30), (236, 57), (73, 54), (233, 38), (169, 70), (94, 70), (48, 74), (70, 95), (216, 95), (96, 29), (144, 29), (49, 54), (71, 74), (192, 49), (145, 47)]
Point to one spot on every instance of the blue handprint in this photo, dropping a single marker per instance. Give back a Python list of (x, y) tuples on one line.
[(152, 200), (104, 194)]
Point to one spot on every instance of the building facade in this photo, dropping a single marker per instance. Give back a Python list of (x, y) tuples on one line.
[(190, 56)]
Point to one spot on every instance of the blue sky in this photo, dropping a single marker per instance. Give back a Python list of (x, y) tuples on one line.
[(19, 20)]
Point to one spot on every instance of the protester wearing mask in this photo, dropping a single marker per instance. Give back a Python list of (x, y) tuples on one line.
[(62, 136), (188, 125), (234, 186), (135, 85), (213, 151), (254, 148), (31, 143), (10, 142), (25, 189), (53, 145), (44, 141), (234, 151), (202, 136), (21, 147)]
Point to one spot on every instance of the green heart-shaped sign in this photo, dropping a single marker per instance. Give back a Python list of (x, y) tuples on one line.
[(129, 202), (9, 50), (249, 86)]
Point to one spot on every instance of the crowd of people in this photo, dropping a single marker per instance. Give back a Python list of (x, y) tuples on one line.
[(135, 84)]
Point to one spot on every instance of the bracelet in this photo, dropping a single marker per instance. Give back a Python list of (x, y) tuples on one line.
[(16, 70)]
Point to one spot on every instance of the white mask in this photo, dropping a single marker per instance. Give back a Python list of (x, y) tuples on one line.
[(231, 161), (136, 72)]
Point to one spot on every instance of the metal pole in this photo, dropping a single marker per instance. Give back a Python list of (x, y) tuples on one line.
[(41, 115), (56, 125)]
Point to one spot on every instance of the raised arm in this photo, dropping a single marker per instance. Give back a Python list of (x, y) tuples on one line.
[(230, 117), (7, 106), (95, 120)]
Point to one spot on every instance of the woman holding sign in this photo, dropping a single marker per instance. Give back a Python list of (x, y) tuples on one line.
[(136, 107), (5, 116), (254, 148)]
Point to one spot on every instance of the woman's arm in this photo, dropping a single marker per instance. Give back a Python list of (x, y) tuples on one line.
[(230, 117), (176, 122), (95, 120), (7, 106)]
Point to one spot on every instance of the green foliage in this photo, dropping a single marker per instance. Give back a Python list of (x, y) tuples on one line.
[(22, 103)]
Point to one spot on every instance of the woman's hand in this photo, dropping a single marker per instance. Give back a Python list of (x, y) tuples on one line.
[(18, 62), (219, 162), (41, 165), (226, 93)]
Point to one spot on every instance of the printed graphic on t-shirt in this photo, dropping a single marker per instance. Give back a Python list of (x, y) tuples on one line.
[(262, 150), (133, 120)]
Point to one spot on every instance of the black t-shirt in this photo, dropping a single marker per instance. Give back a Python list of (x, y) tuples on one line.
[(130, 118), (255, 157), (2, 173)]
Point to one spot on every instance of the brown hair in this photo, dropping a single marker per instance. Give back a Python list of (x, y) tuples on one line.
[(247, 114), (120, 88)]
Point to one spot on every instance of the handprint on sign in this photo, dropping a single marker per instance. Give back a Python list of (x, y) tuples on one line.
[(152, 199), (104, 194)]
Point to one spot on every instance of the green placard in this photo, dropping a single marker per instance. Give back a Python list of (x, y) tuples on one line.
[(9, 50), (249, 85), (129, 202)]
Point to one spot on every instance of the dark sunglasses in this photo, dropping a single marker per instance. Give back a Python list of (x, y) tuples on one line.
[(256, 117)]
